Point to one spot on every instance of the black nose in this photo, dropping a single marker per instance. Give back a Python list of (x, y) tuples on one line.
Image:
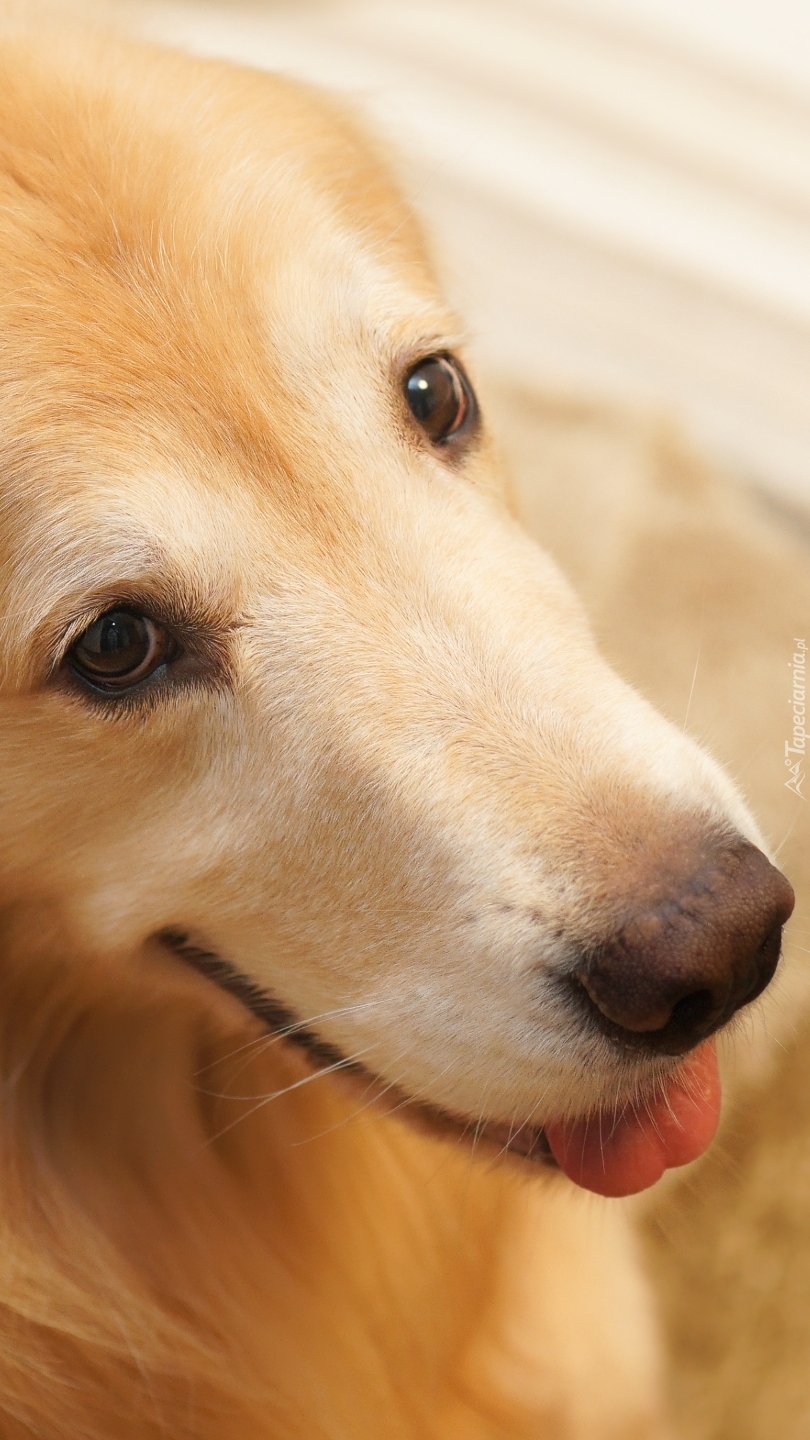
[(676, 972)]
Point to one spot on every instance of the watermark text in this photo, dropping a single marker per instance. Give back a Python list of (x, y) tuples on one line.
[(796, 747)]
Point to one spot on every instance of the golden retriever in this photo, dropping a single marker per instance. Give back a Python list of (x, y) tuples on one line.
[(335, 859)]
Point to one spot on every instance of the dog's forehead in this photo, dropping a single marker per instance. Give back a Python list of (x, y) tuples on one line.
[(233, 265)]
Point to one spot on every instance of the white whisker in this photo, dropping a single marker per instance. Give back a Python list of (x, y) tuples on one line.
[(786, 837), (271, 1037), (343, 1064), (697, 661)]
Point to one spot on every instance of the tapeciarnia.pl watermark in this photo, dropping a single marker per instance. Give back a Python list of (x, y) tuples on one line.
[(798, 748)]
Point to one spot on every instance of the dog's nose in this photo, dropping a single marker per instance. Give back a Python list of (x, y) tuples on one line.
[(678, 971)]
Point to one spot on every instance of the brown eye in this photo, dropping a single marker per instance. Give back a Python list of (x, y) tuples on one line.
[(440, 398), (119, 649)]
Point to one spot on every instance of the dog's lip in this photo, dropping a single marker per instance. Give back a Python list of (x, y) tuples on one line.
[(494, 1137)]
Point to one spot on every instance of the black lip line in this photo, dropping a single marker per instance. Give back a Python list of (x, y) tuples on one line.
[(528, 1142)]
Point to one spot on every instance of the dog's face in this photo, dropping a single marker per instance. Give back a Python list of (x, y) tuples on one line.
[(280, 673)]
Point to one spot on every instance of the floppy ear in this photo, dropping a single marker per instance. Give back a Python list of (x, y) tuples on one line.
[(126, 1244)]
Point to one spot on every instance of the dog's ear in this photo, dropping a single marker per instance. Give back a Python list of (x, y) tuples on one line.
[(115, 1205), (40, 990)]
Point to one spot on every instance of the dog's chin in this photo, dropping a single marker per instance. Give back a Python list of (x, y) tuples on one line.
[(492, 1138)]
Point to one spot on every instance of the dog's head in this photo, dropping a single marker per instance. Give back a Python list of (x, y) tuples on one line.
[(282, 680)]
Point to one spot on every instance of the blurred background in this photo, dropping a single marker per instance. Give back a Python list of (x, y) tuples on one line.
[(619, 190)]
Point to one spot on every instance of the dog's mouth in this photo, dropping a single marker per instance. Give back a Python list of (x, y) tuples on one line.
[(528, 1142), (614, 1152)]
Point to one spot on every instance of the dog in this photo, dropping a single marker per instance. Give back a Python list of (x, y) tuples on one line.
[(336, 861)]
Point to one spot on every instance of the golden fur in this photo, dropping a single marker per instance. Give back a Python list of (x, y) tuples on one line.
[(209, 291)]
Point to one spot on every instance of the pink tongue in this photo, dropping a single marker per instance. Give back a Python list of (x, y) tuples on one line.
[(619, 1155)]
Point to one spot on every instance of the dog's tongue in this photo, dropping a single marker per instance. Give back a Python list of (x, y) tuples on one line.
[(621, 1154)]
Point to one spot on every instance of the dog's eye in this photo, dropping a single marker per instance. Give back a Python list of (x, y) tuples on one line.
[(119, 649), (440, 397)]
